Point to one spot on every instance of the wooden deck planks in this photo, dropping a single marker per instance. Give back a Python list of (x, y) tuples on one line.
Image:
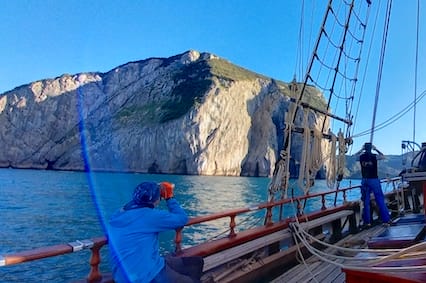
[(301, 272), (323, 271)]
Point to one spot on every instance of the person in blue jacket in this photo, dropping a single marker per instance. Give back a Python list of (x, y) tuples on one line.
[(370, 183), (133, 239)]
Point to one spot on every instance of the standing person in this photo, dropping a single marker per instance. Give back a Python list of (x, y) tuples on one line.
[(133, 239), (371, 184)]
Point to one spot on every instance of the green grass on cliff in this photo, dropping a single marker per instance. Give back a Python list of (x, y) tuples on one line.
[(143, 115), (191, 83), (194, 80), (224, 69)]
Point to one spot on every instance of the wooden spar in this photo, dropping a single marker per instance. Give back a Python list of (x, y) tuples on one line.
[(326, 113)]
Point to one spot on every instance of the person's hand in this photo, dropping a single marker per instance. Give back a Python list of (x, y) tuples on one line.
[(166, 190)]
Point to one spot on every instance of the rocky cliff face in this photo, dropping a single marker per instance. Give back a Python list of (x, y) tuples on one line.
[(189, 114)]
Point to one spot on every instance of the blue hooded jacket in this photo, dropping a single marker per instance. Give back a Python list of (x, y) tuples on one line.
[(133, 240)]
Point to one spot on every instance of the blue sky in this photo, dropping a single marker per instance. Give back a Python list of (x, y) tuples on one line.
[(45, 39)]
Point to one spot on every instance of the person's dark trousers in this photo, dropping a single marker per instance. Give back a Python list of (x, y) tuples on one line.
[(373, 186), (180, 270)]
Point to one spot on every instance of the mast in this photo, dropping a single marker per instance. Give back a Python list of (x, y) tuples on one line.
[(320, 61)]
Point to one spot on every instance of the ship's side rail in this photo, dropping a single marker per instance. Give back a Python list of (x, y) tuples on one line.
[(209, 248), (227, 249), (94, 244)]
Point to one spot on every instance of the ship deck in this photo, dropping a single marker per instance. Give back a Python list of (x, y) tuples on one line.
[(313, 269)]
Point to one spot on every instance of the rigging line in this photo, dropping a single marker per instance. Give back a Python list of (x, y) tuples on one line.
[(308, 71), (343, 26), (309, 31), (353, 36), (338, 47), (337, 101), (324, 64), (307, 76), (299, 63), (379, 75), (336, 17), (415, 69), (353, 90), (329, 42), (311, 27), (314, 83), (330, 68), (358, 18), (327, 45), (341, 97), (362, 26), (394, 118), (365, 69), (335, 26), (340, 56)]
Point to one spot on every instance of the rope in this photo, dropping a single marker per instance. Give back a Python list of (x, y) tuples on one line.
[(341, 162), (299, 48), (281, 176), (303, 258), (311, 158), (343, 249), (364, 264), (393, 118), (303, 175), (316, 153), (415, 69), (331, 169), (381, 62), (366, 67)]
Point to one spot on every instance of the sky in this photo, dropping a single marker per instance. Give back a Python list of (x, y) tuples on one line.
[(45, 39)]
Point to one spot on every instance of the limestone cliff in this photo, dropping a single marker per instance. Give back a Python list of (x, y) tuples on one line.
[(188, 114)]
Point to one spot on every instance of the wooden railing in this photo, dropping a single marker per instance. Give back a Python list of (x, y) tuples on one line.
[(95, 244)]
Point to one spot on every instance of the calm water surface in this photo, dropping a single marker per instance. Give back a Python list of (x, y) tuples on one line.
[(41, 208)]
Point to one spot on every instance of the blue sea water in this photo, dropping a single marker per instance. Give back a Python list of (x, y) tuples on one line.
[(42, 208)]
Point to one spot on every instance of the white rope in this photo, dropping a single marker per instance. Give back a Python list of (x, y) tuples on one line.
[(303, 258), (286, 176), (381, 251), (331, 168), (311, 158), (363, 263), (316, 155), (281, 176), (341, 162), (303, 180)]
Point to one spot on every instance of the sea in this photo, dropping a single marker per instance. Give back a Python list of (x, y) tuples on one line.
[(42, 208)]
